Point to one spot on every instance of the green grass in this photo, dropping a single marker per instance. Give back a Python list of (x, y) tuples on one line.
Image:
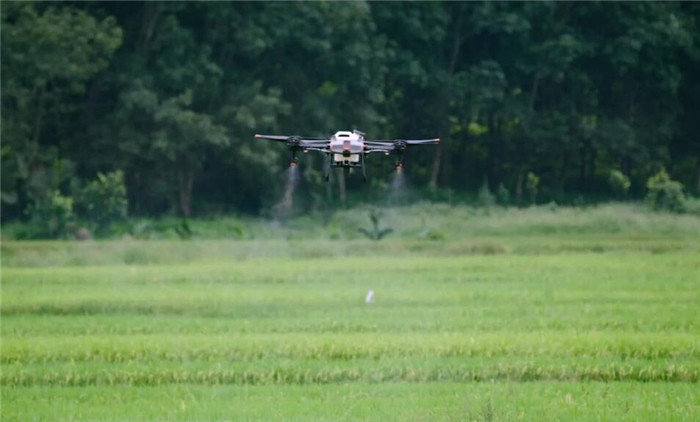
[(421, 221), (538, 314), (621, 401), (457, 333)]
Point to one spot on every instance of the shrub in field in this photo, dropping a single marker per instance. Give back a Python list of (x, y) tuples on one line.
[(663, 193), (619, 183), (51, 217), (103, 201)]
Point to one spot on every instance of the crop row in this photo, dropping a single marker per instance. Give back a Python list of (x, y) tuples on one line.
[(118, 349), (516, 373)]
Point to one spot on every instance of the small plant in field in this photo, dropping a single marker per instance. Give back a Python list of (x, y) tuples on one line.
[(531, 183), (488, 412), (375, 232), (619, 183), (663, 193), (183, 230), (428, 233)]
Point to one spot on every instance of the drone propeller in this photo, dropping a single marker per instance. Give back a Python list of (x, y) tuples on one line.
[(295, 140), (422, 141), (296, 143), (403, 142), (397, 147)]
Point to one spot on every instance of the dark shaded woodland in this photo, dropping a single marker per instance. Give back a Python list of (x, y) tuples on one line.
[(171, 94)]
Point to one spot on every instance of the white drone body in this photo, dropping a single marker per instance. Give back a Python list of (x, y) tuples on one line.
[(347, 149)]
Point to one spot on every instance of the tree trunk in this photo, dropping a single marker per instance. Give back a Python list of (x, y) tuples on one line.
[(519, 188), (151, 12), (435, 172), (564, 170), (592, 162), (456, 45), (39, 114), (186, 181), (582, 170)]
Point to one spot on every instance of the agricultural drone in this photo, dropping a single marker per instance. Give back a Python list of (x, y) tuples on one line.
[(347, 149)]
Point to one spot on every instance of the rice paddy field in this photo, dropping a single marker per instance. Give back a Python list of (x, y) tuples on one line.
[(554, 319)]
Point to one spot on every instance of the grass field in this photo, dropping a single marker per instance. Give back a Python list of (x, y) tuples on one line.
[(530, 326)]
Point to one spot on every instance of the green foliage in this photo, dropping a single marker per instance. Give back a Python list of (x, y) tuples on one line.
[(503, 195), (50, 217), (692, 206), (665, 194), (375, 232), (619, 183), (49, 54), (171, 93), (485, 198), (464, 225), (432, 234), (183, 230), (103, 201), (532, 181)]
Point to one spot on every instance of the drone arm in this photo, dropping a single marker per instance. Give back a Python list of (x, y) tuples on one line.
[(320, 149), (283, 138), (313, 142), (379, 148)]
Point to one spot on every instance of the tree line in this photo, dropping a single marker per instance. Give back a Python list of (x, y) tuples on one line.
[(165, 98)]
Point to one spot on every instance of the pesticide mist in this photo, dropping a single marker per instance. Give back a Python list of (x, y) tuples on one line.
[(397, 189), (284, 208)]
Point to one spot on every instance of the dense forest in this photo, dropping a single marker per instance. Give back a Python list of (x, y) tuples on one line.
[(162, 100)]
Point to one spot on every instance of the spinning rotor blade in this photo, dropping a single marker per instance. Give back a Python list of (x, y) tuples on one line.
[(405, 141), (397, 145), (303, 142), (422, 141), (282, 138), (380, 143)]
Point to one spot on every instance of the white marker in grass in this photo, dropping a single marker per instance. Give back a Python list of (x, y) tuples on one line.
[(370, 297)]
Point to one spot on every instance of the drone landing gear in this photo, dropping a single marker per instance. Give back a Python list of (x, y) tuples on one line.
[(364, 173), (346, 168), (328, 169)]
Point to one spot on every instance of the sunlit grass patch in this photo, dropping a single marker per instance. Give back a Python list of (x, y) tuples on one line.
[(511, 335)]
